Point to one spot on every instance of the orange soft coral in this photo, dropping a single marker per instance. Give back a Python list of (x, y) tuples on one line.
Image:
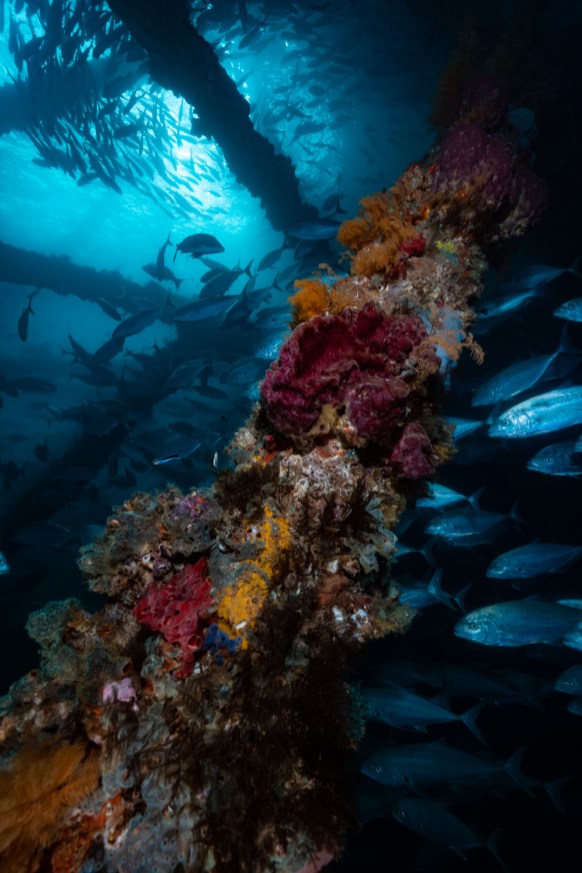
[(376, 235), (311, 299), (37, 792)]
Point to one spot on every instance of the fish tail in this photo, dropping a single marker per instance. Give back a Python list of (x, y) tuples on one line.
[(427, 554), (459, 598), (554, 791), (576, 267), (491, 844), (469, 719), (566, 347), (513, 767), (434, 588), (473, 499)]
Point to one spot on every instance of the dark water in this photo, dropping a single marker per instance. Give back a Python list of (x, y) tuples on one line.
[(360, 78)]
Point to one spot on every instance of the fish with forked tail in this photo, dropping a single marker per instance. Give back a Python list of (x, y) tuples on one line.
[(26, 313)]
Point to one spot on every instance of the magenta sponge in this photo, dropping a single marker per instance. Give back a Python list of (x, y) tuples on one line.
[(176, 610), (353, 361)]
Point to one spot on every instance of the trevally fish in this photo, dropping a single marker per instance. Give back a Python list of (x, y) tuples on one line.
[(439, 765), (270, 259), (573, 638), (177, 450), (533, 560), (315, 229), (162, 274), (571, 310), (498, 688), (198, 244), (558, 459), (244, 371), (138, 321), (219, 284), (545, 413), (184, 374), (34, 384), (570, 681), (537, 275), (26, 313), (463, 427), (517, 378), (420, 595), (505, 306), (4, 565), (404, 709), (442, 497), (517, 623), (198, 310), (109, 350), (467, 527), (433, 821)]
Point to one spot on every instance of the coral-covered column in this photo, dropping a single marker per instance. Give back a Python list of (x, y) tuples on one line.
[(200, 721)]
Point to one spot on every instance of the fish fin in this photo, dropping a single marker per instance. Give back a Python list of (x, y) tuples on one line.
[(434, 588), (566, 347), (494, 414), (459, 598), (427, 554), (513, 768), (442, 699), (473, 499), (491, 844), (515, 516), (469, 719), (554, 791), (247, 269)]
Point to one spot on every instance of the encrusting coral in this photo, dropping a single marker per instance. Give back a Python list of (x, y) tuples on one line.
[(201, 720)]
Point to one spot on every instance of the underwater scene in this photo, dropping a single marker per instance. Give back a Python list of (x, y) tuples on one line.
[(290, 436)]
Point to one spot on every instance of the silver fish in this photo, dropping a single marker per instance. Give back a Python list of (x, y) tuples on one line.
[(554, 410), (404, 709), (557, 459), (571, 310), (517, 623), (532, 560), (442, 497), (433, 821), (138, 322), (513, 380), (570, 681), (538, 275), (468, 527), (198, 244), (437, 765)]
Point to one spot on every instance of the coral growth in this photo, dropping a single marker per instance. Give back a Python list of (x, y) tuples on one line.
[(356, 362), (177, 609), (38, 790), (376, 236), (200, 720), (311, 298)]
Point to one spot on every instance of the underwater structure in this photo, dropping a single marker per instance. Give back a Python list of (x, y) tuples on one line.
[(201, 720)]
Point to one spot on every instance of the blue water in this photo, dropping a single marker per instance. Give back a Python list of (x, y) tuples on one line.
[(366, 74)]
